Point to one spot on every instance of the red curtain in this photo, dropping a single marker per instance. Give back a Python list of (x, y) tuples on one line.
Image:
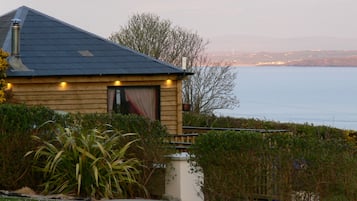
[(143, 101)]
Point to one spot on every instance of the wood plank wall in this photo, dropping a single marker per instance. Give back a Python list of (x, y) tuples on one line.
[(89, 94)]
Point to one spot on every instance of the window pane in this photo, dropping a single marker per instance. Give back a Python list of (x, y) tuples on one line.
[(143, 101), (117, 98)]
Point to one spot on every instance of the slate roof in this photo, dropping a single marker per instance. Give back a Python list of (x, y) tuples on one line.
[(50, 47)]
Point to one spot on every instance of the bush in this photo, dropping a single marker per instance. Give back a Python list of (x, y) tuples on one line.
[(17, 124), (86, 163), (248, 165), (151, 149), (201, 120)]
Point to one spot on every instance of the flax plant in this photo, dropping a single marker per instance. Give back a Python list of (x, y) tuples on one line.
[(86, 163)]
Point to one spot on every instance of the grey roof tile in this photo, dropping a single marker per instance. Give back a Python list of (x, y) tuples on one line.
[(50, 47), (5, 23)]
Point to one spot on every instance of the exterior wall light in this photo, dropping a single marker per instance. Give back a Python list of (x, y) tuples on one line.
[(168, 82), (63, 85), (8, 86), (117, 83)]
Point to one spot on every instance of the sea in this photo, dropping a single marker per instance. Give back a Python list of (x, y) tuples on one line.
[(312, 95)]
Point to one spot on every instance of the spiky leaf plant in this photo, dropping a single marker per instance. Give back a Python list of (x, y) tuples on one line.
[(86, 163)]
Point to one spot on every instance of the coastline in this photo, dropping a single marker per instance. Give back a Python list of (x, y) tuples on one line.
[(302, 66), (310, 58)]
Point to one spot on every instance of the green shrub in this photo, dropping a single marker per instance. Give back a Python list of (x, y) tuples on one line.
[(202, 120), (86, 163), (17, 124), (151, 149), (248, 165), (22, 119), (228, 161)]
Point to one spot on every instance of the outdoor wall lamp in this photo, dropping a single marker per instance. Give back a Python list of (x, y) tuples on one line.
[(8, 86), (168, 82), (63, 85), (117, 83)]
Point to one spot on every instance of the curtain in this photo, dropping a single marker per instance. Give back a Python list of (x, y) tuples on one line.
[(143, 101), (111, 97)]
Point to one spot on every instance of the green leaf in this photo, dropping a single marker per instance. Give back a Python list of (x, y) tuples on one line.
[(95, 170), (77, 170), (79, 184), (86, 153)]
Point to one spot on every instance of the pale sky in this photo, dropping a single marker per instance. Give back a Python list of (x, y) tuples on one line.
[(209, 18)]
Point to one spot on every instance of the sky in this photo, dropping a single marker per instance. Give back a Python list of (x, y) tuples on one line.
[(209, 18)]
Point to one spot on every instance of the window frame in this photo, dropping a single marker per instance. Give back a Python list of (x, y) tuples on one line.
[(122, 95)]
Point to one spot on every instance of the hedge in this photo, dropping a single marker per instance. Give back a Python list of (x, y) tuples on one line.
[(248, 166), (19, 122)]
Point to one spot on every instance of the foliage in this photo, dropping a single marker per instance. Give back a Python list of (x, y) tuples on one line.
[(3, 67), (19, 118), (151, 149), (17, 124), (208, 120), (86, 163), (248, 165), (210, 87)]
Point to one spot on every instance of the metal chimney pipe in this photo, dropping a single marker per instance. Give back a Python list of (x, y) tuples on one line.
[(15, 38), (184, 63)]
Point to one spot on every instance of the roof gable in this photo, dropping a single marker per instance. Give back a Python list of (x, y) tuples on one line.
[(50, 47)]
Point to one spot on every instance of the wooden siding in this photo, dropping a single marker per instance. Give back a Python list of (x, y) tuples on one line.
[(89, 94)]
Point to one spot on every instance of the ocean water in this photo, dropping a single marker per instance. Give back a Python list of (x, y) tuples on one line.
[(314, 95)]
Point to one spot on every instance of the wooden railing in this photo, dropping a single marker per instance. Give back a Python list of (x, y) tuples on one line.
[(183, 141)]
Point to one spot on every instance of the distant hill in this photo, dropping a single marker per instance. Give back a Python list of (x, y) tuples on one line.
[(244, 43), (340, 61), (289, 58)]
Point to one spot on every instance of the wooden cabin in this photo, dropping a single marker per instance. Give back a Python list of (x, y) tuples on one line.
[(68, 69)]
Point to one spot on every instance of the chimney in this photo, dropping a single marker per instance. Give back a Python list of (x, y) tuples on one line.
[(184, 63), (14, 60), (15, 38)]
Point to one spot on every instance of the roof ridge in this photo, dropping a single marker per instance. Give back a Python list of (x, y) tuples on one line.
[(21, 14)]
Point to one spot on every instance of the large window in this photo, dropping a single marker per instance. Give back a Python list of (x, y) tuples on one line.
[(143, 101)]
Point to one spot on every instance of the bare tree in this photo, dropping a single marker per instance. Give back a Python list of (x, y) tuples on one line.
[(210, 88), (149, 34)]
